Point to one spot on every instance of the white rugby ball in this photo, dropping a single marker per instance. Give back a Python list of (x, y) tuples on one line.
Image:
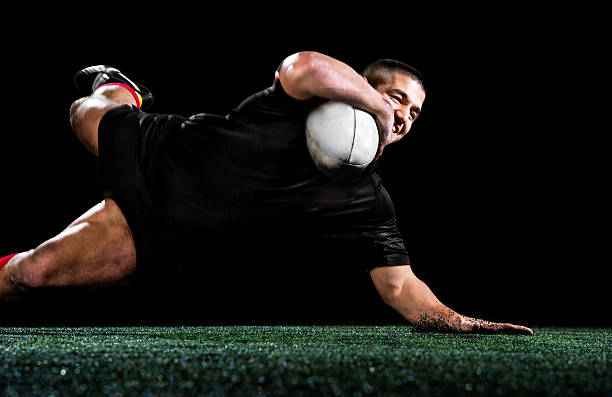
[(341, 137)]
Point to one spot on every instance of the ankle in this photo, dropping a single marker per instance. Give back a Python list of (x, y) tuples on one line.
[(6, 259)]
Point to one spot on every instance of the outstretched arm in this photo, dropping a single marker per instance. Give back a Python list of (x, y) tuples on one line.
[(311, 74), (412, 298)]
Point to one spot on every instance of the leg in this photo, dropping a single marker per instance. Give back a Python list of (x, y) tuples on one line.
[(86, 113), (94, 251), (111, 88)]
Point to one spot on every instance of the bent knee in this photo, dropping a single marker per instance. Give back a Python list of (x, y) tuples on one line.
[(32, 271)]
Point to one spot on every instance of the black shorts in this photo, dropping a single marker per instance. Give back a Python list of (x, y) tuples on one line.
[(127, 142)]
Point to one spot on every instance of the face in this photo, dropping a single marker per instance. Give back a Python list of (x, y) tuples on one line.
[(407, 97)]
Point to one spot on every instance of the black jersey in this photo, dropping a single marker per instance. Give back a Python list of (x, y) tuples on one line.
[(208, 183)]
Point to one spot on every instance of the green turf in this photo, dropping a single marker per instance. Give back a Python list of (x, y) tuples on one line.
[(302, 360)]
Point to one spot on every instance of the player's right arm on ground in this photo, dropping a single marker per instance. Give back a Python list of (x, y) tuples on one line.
[(412, 298)]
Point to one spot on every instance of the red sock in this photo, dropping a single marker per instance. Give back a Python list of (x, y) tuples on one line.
[(4, 261), (136, 95)]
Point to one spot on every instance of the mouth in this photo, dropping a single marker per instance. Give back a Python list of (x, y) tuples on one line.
[(397, 128)]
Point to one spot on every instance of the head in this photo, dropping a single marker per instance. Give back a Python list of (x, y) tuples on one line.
[(403, 86)]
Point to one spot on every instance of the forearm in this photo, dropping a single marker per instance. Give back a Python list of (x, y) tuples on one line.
[(417, 304), (309, 74)]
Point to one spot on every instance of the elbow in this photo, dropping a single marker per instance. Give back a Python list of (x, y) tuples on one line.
[(300, 70), (396, 299), (391, 295), (400, 289), (304, 62), (399, 302)]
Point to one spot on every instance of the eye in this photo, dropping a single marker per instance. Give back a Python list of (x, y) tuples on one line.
[(396, 98)]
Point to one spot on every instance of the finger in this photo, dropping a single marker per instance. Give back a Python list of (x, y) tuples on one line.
[(381, 147), (474, 325), (506, 328), (519, 329), (512, 328), (382, 143)]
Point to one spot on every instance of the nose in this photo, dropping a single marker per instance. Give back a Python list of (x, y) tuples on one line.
[(402, 114), (402, 118)]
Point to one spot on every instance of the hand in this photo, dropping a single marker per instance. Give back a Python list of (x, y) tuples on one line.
[(384, 121), (474, 325)]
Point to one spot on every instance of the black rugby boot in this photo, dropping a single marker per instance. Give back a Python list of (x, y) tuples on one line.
[(89, 79)]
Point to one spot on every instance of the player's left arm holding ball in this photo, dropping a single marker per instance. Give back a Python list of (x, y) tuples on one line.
[(395, 103), (308, 74)]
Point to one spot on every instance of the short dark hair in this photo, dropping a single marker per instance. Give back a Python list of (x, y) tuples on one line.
[(380, 72)]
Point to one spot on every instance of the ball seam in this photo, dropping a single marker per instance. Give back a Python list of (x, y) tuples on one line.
[(350, 153)]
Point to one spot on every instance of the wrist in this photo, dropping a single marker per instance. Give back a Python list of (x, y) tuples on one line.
[(438, 319)]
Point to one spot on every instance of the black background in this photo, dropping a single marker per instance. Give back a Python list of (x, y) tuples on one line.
[(499, 187)]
